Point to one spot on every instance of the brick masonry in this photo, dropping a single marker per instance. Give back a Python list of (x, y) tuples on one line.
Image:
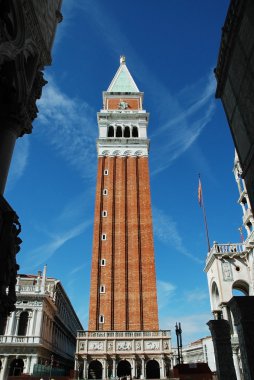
[(129, 301)]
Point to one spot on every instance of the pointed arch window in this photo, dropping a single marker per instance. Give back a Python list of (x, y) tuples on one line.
[(134, 132), (119, 131)]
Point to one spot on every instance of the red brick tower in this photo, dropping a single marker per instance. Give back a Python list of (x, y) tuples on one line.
[(123, 283)]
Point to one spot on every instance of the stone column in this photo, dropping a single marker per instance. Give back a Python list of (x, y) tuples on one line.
[(38, 324), (85, 369), (104, 368), (162, 369), (243, 312), (28, 363), (114, 367), (4, 370), (133, 368), (220, 332), (143, 374), (10, 327), (236, 362)]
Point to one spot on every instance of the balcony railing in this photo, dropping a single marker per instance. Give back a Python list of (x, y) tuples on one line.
[(123, 334), (229, 248), (5, 339)]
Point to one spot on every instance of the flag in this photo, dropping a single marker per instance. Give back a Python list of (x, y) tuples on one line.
[(241, 233), (199, 193)]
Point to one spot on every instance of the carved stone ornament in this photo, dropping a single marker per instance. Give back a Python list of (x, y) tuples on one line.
[(227, 271), (124, 346), (96, 346), (138, 346), (152, 345)]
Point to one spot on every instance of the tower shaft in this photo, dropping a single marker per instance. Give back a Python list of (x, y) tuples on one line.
[(128, 300)]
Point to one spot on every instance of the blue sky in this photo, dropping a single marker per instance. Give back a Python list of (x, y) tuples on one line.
[(171, 49)]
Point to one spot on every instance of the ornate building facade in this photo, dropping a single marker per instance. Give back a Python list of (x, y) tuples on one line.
[(123, 337), (27, 30), (230, 268), (39, 337), (235, 83)]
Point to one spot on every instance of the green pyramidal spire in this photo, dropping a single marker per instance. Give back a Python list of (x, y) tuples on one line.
[(123, 81)]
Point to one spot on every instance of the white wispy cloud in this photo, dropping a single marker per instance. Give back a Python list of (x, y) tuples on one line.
[(186, 114), (182, 130), (165, 290), (165, 229), (70, 127), (196, 295), (19, 161), (45, 251)]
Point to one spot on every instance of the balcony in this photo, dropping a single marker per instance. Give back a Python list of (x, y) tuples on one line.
[(10, 339), (123, 334)]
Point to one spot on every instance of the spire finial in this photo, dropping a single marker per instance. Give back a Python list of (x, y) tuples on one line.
[(122, 59)]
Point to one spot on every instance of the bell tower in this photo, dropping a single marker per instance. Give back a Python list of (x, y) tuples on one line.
[(123, 283), (123, 337)]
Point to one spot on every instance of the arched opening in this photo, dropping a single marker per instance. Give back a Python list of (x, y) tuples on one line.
[(123, 368), (119, 132), (127, 132), (23, 322), (240, 288), (134, 132), (95, 370), (215, 296), (152, 369), (16, 367), (110, 131), (3, 322)]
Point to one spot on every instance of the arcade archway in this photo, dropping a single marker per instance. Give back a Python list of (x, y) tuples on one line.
[(152, 369), (95, 370), (123, 368), (16, 367)]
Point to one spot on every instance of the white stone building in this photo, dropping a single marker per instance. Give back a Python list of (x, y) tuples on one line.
[(200, 351), (230, 268), (40, 336)]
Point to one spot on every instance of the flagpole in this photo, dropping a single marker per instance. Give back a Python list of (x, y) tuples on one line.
[(204, 214)]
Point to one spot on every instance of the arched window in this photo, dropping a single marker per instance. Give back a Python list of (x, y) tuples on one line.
[(127, 132), (134, 132), (23, 322), (240, 288), (215, 296), (119, 132), (110, 131)]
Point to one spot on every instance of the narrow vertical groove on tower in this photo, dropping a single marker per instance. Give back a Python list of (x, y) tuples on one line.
[(113, 248), (139, 248), (126, 245), (99, 246)]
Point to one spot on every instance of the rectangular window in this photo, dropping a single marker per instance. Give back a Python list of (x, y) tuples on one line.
[(102, 289), (103, 237), (103, 262), (101, 318), (106, 172), (104, 213), (105, 192)]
